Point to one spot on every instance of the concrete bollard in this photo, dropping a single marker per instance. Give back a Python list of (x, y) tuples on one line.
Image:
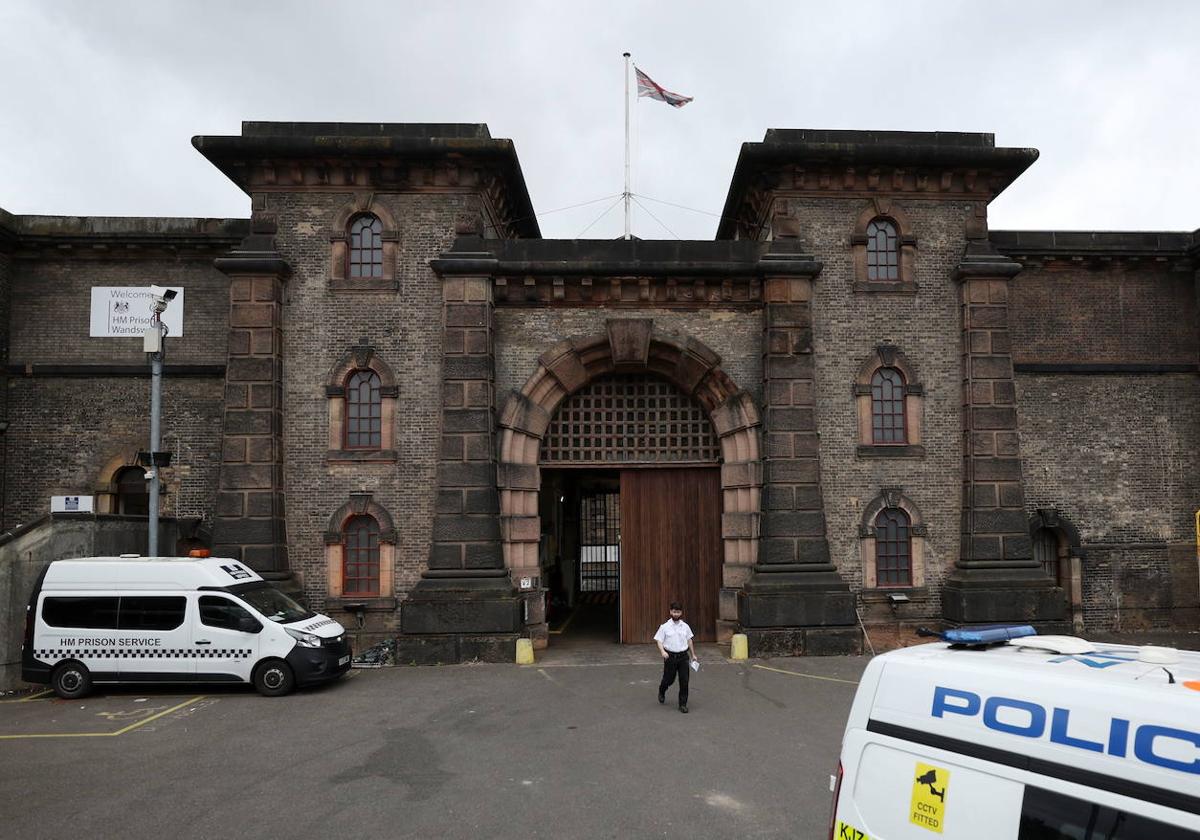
[(739, 647), (524, 651)]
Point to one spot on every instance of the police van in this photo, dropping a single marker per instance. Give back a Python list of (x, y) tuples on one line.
[(136, 619), (1035, 737)]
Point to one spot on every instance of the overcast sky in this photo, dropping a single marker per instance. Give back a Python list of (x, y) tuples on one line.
[(101, 98)]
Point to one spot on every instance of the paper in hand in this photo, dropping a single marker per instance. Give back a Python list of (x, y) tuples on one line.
[(695, 664)]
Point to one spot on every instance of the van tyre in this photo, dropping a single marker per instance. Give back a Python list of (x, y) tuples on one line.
[(71, 680), (274, 678)]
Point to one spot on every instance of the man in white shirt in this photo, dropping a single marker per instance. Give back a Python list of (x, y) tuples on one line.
[(674, 641)]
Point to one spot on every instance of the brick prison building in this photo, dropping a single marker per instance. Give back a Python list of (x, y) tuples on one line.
[(857, 402)]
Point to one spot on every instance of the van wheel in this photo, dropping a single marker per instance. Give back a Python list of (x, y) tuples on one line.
[(71, 680), (274, 678)]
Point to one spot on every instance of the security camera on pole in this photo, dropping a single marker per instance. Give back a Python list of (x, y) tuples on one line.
[(154, 343)]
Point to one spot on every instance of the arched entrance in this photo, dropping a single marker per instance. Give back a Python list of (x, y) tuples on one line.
[(675, 372), (1056, 546)]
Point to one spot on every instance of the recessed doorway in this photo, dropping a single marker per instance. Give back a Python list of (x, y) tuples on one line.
[(622, 544)]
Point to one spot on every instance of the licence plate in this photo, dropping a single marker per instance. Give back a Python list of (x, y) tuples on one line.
[(343, 660)]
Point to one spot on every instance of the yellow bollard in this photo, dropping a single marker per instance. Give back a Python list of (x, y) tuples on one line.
[(738, 648), (524, 651)]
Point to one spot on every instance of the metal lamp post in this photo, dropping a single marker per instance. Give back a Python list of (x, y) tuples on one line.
[(154, 344)]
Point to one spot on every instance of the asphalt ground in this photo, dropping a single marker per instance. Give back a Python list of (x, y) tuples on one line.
[(573, 747)]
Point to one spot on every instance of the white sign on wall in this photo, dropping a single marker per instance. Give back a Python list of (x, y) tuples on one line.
[(127, 312), (71, 504)]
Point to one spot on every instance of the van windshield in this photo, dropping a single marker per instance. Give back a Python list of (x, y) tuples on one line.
[(272, 603)]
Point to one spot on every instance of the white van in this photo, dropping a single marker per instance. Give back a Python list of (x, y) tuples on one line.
[(1038, 737), (180, 619)]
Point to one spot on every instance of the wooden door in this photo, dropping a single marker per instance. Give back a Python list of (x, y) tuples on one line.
[(670, 550)]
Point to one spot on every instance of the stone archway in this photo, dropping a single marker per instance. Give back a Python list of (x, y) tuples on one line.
[(632, 346), (1070, 557)]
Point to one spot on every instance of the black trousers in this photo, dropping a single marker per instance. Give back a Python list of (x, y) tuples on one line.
[(676, 663)]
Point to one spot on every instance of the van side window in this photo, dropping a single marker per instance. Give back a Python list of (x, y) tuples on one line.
[(152, 613), (1051, 816), (223, 613), (93, 613)]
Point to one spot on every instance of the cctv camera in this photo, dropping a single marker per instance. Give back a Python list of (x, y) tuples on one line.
[(163, 293)]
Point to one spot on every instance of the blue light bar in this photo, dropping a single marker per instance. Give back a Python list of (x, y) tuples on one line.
[(987, 635)]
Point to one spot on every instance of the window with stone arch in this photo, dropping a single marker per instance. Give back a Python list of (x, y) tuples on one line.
[(363, 246), (887, 407), (362, 394), (133, 494), (1057, 547), (360, 555), (884, 249), (1045, 551), (893, 548), (365, 255), (892, 534), (890, 402), (364, 410)]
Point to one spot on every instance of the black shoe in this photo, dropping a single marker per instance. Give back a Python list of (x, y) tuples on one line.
[(683, 708), (662, 697)]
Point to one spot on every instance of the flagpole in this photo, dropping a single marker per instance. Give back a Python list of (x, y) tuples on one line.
[(628, 234)]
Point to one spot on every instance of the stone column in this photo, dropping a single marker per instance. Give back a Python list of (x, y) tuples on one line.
[(795, 601), (464, 606), (249, 522), (996, 578)]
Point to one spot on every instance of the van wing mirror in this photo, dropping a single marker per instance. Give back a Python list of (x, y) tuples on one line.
[(249, 624)]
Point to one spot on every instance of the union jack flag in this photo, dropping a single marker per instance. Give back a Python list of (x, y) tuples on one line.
[(651, 88)]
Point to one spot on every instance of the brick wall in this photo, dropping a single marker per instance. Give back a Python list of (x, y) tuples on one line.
[(847, 327), (5, 330), (52, 297), (522, 335), (1128, 589), (1119, 457), (1128, 313), (64, 430), (405, 328)]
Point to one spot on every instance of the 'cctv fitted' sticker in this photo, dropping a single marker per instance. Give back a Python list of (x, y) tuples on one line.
[(928, 807)]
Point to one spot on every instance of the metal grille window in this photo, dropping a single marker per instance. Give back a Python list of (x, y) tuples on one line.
[(600, 542), (364, 411), (630, 420), (366, 247), (887, 407), (883, 251), (1045, 551), (893, 548), (360, 556)]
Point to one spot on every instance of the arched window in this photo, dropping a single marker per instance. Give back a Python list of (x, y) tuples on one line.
[(133, 495), (360, 557), (364, 411), (893, 548), (1045, 551), (887, 407), (883, 251), (366, 247)]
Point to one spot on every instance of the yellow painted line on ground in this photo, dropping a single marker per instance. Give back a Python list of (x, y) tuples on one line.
[(560, 630), (41, 695), (129, 728), (810, 676)]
